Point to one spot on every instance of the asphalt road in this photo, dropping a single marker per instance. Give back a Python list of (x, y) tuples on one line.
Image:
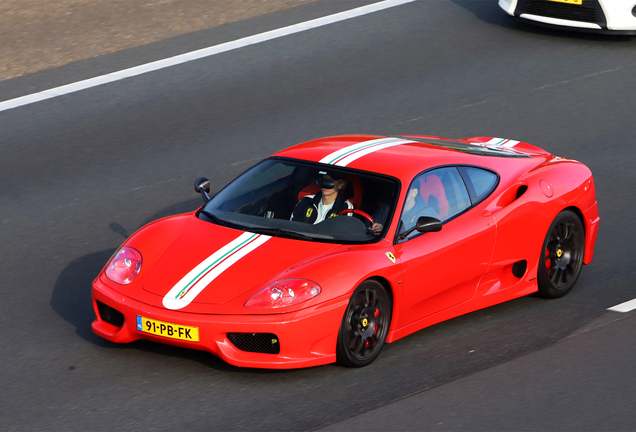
[(81, 172)]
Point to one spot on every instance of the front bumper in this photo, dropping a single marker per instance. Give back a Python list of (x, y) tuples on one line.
[(307, 337), (591, 220), (616, 17)]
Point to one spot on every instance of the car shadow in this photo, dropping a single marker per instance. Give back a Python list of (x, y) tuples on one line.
[(71, 297), (490, 12), (71, 300)]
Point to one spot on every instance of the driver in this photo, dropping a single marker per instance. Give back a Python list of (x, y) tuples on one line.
[(325, 204)]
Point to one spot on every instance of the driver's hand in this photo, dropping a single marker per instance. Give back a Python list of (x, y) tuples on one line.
[(376, 228)]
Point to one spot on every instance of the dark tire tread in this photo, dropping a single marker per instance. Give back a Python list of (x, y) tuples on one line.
[(561, 259), (358, 345)]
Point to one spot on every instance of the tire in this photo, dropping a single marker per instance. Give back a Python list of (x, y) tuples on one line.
[(562, 256), (365, 325)]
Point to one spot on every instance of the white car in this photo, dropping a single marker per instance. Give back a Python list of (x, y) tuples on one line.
[(603, 16)]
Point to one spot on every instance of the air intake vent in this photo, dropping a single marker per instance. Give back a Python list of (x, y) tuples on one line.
[(266, 343), (519, 268), (522, 189), (512, 194), (110, 315), (588, 11)]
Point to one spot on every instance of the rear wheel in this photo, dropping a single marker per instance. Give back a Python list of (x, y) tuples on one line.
[(365, 325), (562, 258)]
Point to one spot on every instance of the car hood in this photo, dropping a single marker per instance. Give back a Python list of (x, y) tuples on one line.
[(211, 264)]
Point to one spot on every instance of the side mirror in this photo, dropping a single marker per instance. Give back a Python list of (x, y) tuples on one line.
[(202, 186), (426, 224)]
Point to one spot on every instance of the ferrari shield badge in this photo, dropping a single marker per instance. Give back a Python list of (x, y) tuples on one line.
[(309, 212), (390, 256)]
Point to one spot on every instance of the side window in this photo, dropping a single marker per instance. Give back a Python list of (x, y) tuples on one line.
[(479, 181), (440, 193)]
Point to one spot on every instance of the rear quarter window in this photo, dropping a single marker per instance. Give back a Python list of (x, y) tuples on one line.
[(480, 182)]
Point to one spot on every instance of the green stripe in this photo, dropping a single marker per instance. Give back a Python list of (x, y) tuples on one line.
[(359, 148), (215, 263)]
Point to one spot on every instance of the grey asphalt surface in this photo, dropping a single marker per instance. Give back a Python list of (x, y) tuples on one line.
[(81, 172), (583, 383)]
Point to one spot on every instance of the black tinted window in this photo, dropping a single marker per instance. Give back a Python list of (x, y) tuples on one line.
[(267, 197)]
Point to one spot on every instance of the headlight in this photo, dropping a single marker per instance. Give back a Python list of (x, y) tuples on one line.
[(287, 292), (124, 265)]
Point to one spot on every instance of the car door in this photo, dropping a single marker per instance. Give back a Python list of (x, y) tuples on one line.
[(442, 269)]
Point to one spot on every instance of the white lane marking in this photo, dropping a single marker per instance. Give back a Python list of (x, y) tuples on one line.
[(209, 269), (624, 307), (579, 78), (198, 54)]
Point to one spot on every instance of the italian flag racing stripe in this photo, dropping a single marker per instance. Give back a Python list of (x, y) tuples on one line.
[(346, 155), (186, 290), (502, 142)]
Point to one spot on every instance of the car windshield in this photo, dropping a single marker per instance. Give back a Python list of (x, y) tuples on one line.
[(290, 198)]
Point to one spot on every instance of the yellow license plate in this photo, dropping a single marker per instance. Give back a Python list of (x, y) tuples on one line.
[(169, 330), (573, 2)]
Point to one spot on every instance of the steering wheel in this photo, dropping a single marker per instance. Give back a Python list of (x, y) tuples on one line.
[(356, 212)]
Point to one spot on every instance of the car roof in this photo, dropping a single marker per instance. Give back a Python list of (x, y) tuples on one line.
[(402, 157)]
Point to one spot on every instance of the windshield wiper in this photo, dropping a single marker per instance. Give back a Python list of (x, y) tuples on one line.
[(275, 232), (214, 218), (279, 232)]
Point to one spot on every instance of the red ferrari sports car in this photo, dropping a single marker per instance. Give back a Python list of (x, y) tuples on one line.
[(329, 249)]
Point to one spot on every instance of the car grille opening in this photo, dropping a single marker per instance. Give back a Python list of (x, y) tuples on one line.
[(265, 343), (110, 315), (589, 11)]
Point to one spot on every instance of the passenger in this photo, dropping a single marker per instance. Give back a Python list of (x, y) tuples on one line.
[(325, 204), (414, 207)]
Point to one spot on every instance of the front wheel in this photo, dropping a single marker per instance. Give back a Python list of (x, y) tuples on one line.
[(562, 256), (365, 325)]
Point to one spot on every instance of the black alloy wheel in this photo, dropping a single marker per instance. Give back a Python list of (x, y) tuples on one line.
[(365, 325), (562, 256)]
